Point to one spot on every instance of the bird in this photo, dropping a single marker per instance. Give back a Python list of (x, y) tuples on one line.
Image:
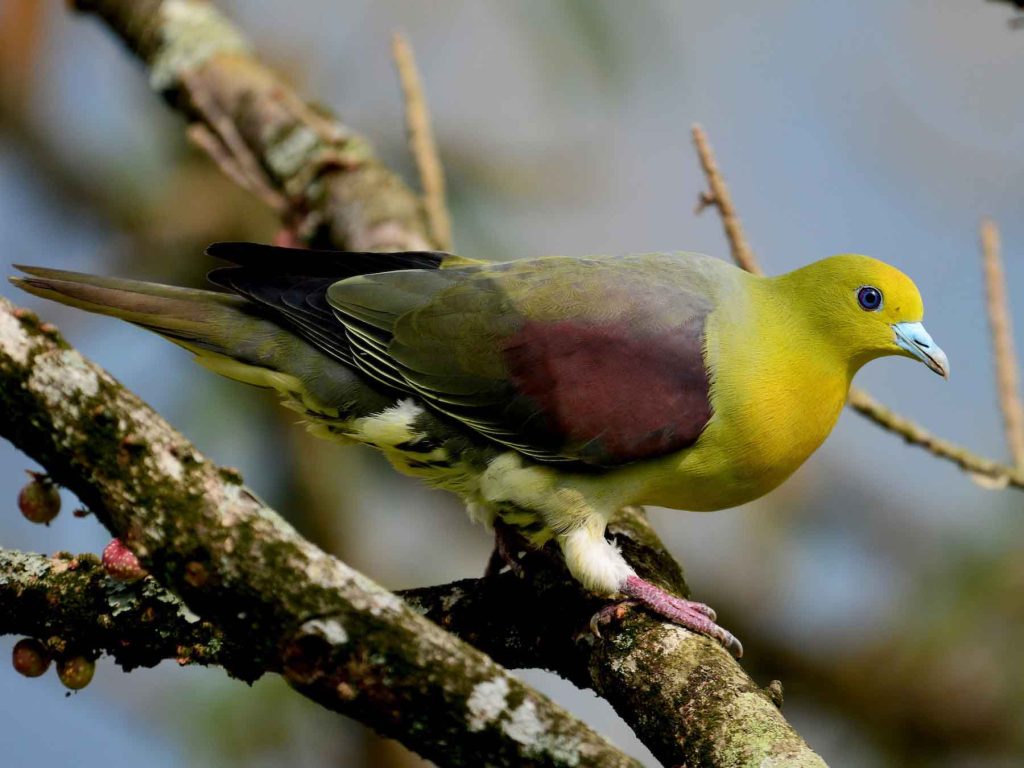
[(546, 392)]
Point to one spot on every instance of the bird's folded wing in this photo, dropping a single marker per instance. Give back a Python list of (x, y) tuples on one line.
[(597, 362)]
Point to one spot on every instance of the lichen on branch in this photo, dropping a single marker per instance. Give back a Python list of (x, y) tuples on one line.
[(70, 602), (685, 697), (322, 177)]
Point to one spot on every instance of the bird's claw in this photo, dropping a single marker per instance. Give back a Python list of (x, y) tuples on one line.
[(612, 612)]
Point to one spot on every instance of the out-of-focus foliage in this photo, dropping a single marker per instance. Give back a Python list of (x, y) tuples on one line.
[(883, 588)]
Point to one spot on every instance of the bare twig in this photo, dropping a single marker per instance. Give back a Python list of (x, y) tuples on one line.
[(205, 139), (217, 136), (1007, 376), (422, 142), (718, 196), (988, 473)]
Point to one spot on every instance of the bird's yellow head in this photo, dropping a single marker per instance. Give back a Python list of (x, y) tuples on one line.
[(866, 309)]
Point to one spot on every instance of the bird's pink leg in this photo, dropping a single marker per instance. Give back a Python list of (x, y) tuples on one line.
[(694, 616)]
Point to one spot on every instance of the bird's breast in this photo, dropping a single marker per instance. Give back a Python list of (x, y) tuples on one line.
[(775, 399), (745, 453)]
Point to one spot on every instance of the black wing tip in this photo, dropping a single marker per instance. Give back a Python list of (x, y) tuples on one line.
[(246, 253), (226, 249), (279, 260), (244, 250)]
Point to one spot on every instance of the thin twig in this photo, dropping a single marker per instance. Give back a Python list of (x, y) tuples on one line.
[(986, 472), (203, 137), (1007, 377), (422, 143), (718, 196)]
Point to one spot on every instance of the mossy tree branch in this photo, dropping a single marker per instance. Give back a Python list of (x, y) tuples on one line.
[(72, 604), (322, 177), (643, 667), (684, 696)]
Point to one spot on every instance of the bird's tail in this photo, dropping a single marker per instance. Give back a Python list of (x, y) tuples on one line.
[(228, 334)]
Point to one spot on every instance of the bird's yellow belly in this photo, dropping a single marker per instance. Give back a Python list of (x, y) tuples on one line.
[(740, 458)]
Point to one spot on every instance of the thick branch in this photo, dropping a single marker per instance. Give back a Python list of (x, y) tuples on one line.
[(323, 178), (643, 667), (338, 637)]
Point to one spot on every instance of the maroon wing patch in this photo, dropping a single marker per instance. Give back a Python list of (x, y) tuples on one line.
[(611, 395)]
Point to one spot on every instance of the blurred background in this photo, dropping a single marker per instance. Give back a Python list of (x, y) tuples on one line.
[(882, 586)]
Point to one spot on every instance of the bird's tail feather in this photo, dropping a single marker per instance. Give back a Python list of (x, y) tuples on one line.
[(185, 315), (228, 334)]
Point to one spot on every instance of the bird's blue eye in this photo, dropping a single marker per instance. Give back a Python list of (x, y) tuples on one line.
[(869, 298)]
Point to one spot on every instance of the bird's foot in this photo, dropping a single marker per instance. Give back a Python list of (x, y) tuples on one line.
[(694, 616), (507, 546)]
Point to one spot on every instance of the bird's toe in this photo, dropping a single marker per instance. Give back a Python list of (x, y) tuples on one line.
[(612, 612)]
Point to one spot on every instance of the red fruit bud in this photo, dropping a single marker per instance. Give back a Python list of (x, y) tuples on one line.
[(121, 564), (39, 501), (75, 671), (30, 657)]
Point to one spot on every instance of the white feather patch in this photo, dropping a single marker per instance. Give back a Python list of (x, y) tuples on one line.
[(594, 561), (392, 426)]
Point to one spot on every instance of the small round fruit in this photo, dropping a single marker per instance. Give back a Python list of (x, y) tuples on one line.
[(39, 500), (30, 657), (75, 671), (121, 564)]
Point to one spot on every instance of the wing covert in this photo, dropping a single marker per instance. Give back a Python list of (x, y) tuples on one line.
[(593, 361)]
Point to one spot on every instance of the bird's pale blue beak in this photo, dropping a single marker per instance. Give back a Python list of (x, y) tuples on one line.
[(915, 339)]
